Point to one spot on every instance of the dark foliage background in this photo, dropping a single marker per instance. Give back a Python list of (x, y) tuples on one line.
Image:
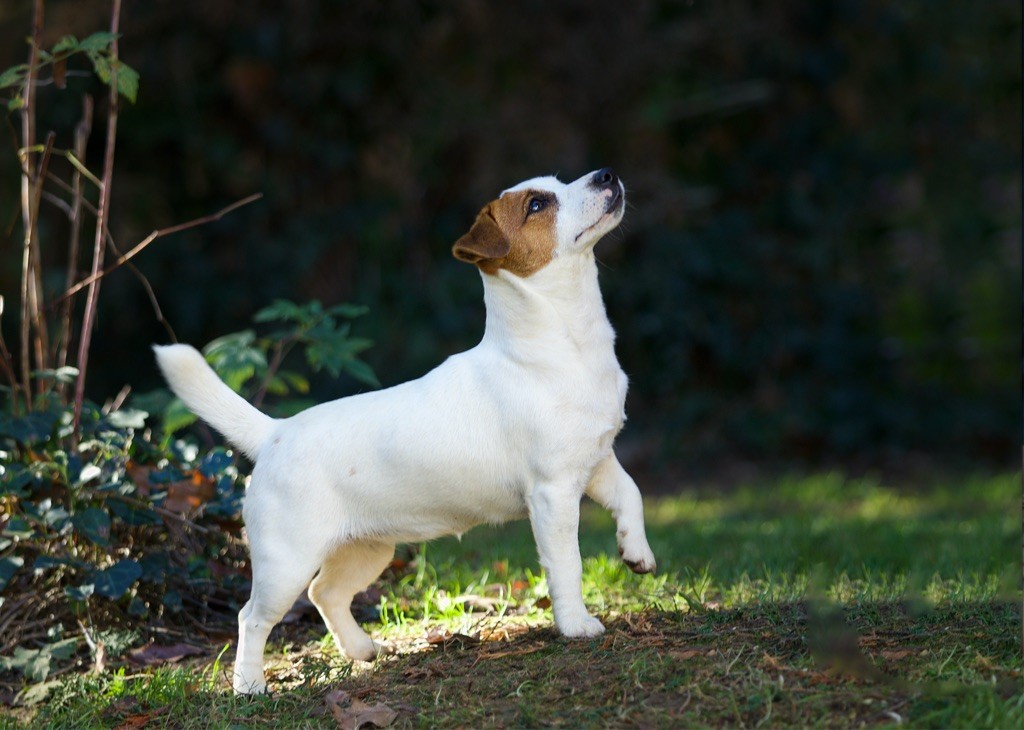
[(821, 263)]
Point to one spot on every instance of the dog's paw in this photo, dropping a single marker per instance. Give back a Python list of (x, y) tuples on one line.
[(583, 627), (365, 649), (638, 559), (246, 685)]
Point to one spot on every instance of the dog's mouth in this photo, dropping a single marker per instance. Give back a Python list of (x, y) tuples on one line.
[(613, 209)]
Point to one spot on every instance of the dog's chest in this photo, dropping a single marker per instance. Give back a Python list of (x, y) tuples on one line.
[(595, 392), (587, 398)]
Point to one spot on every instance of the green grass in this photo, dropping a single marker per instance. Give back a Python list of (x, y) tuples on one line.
[(796, 602)]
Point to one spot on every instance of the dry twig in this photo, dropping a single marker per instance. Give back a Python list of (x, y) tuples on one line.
[(88, 319)]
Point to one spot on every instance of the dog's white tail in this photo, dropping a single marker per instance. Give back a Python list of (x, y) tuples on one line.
[(206, 395)]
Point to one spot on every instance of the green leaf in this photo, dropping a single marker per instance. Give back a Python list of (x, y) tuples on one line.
[(19, 527), (137, 608), (65, 375), (8, 567), (15, 104), (235, 358), (127, 418), (35, 663), (36, 693), (93, 523), (127, 81), (67, 43), (131, 515), (177, 416), (349, 310), (98, 41), (282, 310), (45, 562), (15, 478), (13, 76), (101, 65), (361, 372), (64, 649), (31, 429), (295, 381), (277, 386), (79, 593), (114, 582), (333, 350)]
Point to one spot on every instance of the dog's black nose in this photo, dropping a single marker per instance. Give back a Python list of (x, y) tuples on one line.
[(604, 178)]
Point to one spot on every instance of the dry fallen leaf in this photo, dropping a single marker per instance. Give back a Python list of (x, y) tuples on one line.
[(358, 714), (156, 654), (447, 638), (141, 720), (189, 494)]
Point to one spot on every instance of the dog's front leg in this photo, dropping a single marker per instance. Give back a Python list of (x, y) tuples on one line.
[(555, 519), (613, 488)]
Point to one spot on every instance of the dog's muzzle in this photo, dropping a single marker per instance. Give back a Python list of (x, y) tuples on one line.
[(606, 179)]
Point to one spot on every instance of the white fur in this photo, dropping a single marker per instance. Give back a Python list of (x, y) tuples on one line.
[(520, 425)]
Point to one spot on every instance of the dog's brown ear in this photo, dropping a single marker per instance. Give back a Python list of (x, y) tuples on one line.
[(484, 244)]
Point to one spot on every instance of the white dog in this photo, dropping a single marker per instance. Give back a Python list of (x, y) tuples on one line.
[(520, 425)]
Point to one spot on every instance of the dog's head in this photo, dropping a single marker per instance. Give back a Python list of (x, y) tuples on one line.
[(539, 219)]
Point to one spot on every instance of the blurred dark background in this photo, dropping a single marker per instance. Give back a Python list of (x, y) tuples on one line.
[(821, 263)]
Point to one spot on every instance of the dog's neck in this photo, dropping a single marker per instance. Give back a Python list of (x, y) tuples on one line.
[(560, 304)]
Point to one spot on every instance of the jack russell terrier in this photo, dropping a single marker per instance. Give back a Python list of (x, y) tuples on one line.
[(520, 425)]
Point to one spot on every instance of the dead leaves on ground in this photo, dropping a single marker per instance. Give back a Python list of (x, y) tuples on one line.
[(183, 496), (351, 713), (154, 654)]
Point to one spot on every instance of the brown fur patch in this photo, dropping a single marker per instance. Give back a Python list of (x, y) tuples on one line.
[(504, 236)]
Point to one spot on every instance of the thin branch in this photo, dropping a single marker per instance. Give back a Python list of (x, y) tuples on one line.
[(82, 131), (145, 285), (124, 259), (36, 292), (57, 202), (88, 319), (28, 139), (76, 162), (153, 301), (280, 350), (160, 233)]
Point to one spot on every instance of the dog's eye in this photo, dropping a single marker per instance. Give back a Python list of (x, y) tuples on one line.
[(536, 205)]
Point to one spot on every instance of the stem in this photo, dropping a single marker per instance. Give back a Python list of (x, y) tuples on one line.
[(159, 233), (36, 292), (281, 348), (28, 138), (82, 131), (89, 318)]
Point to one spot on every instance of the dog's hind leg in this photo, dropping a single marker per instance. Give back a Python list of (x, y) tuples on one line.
[(346, 571), (277, 580), (613, 488)]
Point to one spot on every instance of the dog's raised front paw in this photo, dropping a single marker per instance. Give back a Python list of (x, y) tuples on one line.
[(638, 559), (583, 627), (643, 565)]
